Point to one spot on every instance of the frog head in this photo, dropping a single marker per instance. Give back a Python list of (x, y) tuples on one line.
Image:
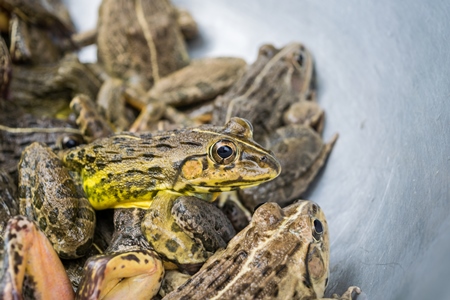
[(232, 160)]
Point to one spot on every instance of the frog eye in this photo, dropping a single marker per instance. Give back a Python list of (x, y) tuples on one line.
[(223, 152), (70, 141), (267, 50), (300, 59), (318, 229)]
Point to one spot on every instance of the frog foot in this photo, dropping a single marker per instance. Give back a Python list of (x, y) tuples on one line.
[(28, 255), (125, 275), (349, 294)]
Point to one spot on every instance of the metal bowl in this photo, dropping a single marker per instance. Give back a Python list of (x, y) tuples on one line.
[(383, 80)]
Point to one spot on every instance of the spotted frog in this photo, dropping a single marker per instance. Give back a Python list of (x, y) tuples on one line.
[(282, 254)]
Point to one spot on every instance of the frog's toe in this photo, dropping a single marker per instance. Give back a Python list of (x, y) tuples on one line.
[(127, 275), (349, 294), (31, 264)]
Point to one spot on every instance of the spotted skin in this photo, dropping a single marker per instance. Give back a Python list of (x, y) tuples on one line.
[(26, 251), (131, 171), (128, 170), (127, 275), (302, 153), (51, 197), (9, 201), (278, 256)]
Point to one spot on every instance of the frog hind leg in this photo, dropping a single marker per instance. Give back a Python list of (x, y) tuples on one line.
[(168, 239), (127, 275), (211, 227), (51, 197), (31, 266)]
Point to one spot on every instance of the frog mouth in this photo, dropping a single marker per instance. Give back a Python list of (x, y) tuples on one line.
[(235, 184)]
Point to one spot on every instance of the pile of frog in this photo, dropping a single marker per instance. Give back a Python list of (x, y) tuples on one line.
[(148, 174)]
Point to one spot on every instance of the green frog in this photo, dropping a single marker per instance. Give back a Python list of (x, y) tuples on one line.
[(282, 254), (277, 95), (141, 171)]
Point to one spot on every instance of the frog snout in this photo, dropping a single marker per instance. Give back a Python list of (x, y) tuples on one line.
[(270, 162)]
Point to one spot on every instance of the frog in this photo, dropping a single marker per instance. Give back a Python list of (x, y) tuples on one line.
[(284, 79), (24, 275), (139, 44), (5, 70), (199, 82), (282, 254), (39, 31), (278, 78), (192, 158), (48, 89), (164, 234)]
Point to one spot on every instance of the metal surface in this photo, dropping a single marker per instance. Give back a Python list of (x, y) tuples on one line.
[(382, 72)]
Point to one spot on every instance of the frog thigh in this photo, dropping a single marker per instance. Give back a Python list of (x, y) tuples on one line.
[(168, 239), (203, 222), (126, 275), (28, 253), (50, 196)]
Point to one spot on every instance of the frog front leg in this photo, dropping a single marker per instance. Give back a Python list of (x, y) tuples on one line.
[(307, 113), (51, 197), (111, 102), (31, 266)]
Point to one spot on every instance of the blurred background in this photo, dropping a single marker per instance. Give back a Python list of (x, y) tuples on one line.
[(383, 72)]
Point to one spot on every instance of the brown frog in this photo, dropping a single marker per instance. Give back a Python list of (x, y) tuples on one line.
[(139, 44), (37, 88), (282, 254), (278, 80), (39, 31)]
